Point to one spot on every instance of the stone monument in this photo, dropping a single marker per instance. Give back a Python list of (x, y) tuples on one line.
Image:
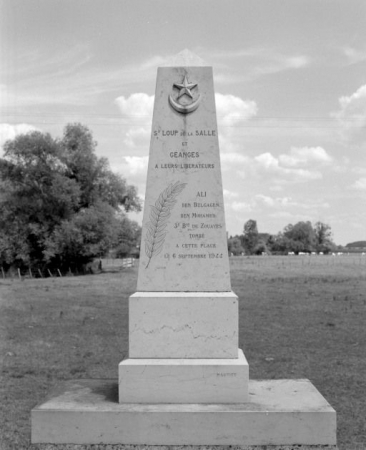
[(185, 381), (183, 336)]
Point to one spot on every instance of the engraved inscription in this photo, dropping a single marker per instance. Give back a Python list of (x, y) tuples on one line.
[(194, 226)]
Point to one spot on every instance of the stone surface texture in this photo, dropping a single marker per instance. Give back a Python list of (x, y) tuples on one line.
[(183, 244), (279, 412), (184, 380), (183, 325)]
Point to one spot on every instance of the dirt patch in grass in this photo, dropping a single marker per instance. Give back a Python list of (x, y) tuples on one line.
[(299, 318)]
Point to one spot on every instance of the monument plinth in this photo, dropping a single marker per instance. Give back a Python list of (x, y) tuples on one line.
[(185, 381)]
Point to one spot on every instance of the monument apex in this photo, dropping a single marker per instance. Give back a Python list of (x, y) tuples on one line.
[(186, 58)]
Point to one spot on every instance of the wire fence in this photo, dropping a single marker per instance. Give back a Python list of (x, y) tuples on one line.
[(97, 266)]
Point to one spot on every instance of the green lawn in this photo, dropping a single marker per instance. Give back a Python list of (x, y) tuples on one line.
[(300, 317)]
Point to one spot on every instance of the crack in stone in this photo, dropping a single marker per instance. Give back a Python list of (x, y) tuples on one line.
[(182, 329)]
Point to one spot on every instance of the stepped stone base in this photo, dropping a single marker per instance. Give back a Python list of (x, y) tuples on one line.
[(288, 414), (184, 380)]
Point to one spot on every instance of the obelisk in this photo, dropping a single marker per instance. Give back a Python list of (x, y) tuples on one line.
[(183, 319)]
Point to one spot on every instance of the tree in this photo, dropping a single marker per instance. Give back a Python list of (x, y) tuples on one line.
[(323, 237), (250, 236), (53, 190), (301, 237), (234, 246), (36, 195), (261, 247), (128, 238), (89, 234), (93, 175), (281, 244)]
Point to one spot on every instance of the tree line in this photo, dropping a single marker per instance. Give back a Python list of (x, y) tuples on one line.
[(61, 206), (301, 237)]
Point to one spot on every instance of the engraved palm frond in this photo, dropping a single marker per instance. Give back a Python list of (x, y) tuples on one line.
[(159, 216)]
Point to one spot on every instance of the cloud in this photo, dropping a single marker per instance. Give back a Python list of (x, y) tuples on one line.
[(296, 62), (359, 170), (289, 216), (137, 137), (268, 165), (69, 78), (228, 195), (288, 202), (300, 164), (136, 112), (154, 62), (278, 207), (279, 202), (9, 132), (237, 162), (280, 63), (232, 113), (232, 110), (136, 164), (359, 185), (241, 206), (304, 156), (352, 115), (137, 106), (233, 158), (259, 61), (353, 55)]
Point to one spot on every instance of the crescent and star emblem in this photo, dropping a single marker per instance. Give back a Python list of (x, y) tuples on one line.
[(185, 90)]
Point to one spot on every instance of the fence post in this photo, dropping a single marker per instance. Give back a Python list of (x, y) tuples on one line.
[(40, 273), (2, 270), (58, 270), (49, 272), (30, 272), (20, 276)]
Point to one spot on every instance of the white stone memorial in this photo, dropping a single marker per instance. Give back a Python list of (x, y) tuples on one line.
[(185, 381)]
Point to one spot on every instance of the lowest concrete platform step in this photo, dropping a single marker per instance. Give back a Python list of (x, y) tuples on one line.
[(279, 412)]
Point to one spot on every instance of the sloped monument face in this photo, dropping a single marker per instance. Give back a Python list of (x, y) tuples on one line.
[(184, 244)]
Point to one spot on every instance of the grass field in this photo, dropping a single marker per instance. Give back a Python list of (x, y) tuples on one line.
[(300, 317)]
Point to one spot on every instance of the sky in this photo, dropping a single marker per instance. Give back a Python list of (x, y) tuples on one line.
[(290, 86)]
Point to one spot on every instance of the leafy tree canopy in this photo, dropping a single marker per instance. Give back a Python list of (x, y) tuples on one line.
[(59, 201), (250, 236), (234, 246), (300, 237)]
